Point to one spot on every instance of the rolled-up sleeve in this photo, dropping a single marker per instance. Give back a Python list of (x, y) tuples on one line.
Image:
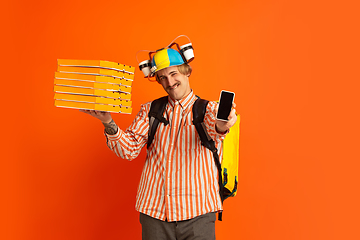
[(128, 144), (210, 121)]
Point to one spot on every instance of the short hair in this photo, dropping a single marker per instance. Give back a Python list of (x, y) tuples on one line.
[(184, 69)]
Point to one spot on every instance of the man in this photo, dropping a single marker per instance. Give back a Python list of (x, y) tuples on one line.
[(178, 192)]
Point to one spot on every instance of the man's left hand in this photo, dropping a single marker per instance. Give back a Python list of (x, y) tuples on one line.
[(223, 126)]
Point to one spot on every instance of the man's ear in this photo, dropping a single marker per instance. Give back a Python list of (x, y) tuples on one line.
[(156, 78)]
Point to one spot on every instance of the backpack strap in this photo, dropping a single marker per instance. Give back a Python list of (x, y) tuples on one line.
[(199, 110), (156, 112)]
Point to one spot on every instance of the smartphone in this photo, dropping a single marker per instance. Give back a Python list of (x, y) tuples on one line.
[(225, 105)]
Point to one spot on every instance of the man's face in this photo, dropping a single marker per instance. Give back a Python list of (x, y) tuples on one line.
[(174, 83)]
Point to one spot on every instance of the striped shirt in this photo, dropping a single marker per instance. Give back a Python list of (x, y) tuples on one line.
[(179, 179)]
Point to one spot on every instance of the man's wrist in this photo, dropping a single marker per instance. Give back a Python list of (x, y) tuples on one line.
[(220, 131), (110, 127), (107, 121)]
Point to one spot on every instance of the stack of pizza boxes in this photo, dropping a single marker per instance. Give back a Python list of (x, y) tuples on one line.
[(93, 85)]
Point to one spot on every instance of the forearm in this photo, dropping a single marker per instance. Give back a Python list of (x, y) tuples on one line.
[(111, 128), (127, 144), (119, 142), (219, 130), (210, 122)]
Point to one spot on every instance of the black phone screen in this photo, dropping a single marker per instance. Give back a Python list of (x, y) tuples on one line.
[(225, 105)]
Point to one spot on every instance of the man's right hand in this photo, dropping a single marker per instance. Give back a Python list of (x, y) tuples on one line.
[(105, 117)]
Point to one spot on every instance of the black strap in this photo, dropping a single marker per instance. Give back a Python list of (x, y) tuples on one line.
[(199, 110), (156, 113)]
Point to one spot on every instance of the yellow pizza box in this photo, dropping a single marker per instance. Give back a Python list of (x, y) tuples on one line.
[(93, 78), (96, 64), (93, 106), (92, 99), (96, 71), (96, 85), (92, 92)]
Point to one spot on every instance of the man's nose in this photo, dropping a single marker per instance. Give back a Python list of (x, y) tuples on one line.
[(171, 80)]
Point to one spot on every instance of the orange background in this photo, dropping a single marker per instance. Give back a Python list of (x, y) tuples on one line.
[(292, 64)]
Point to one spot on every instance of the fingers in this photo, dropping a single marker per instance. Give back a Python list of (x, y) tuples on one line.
[(94, 113), (85, 111), (232, 113), (97, 113), (232, 118), (90, 112)]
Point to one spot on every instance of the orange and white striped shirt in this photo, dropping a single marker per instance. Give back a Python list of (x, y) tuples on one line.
[(179, 179)]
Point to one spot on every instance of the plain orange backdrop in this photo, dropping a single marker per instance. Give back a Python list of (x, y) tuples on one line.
[(292, 64)]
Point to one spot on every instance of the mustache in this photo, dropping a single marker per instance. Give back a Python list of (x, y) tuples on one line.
[(174, 85)]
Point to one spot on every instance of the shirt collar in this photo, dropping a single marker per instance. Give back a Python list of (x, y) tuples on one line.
[(185, 102)]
